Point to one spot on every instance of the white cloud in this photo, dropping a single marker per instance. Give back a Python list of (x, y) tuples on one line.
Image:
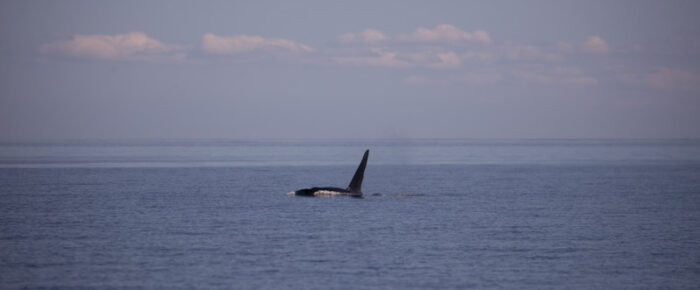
[(596, 45), (380, 58), (409, 59), (445, 33), (129, 46), (215, 44), (367, 36), (448, 60)]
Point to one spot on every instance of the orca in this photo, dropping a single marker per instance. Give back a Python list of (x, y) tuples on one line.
[(354, 188)]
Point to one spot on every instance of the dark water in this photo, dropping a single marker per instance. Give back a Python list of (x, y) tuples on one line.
[(517, 214)]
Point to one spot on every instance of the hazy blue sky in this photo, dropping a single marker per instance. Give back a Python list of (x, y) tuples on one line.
[(354, 69)]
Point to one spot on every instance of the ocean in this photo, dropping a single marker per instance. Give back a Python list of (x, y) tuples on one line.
[(448, 214)]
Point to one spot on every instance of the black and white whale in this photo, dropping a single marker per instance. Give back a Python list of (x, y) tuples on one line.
[(353, 190)]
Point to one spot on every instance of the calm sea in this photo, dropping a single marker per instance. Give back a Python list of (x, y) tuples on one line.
[(484, 214)]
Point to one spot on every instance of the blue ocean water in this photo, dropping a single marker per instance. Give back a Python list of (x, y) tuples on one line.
[(483, 214)]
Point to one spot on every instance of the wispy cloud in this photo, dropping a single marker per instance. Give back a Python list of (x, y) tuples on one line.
[(380, 58), (447, 47), (460, 54), (436, 48), (445, 33), (554, 76), (664, 78), (367, 36), (448, 60), (595, 45), (129, 46), (222, 45), (471, 78)]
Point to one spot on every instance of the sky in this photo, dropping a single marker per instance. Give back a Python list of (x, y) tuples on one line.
[(351, 69)]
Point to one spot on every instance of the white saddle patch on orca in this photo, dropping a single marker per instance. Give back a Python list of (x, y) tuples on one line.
[(328, 193)]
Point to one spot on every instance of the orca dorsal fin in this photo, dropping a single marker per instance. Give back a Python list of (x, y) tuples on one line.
[(356, 183)]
